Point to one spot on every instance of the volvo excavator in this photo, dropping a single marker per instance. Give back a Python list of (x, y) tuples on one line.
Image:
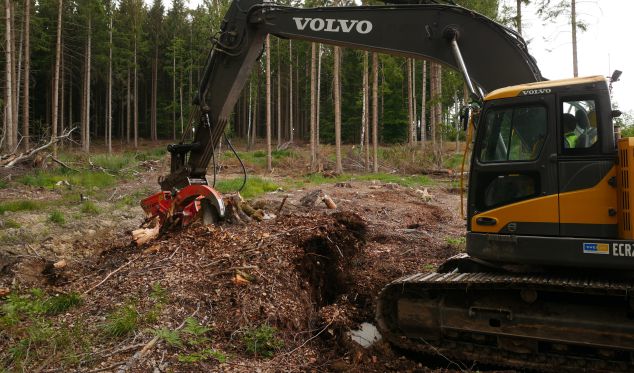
[(544, 281)]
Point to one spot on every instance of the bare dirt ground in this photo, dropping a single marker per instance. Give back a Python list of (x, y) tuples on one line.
[(276, 295)]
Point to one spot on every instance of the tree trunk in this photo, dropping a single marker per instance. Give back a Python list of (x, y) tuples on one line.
[(337, 89), (86, 143), (109, 106), (174, 94), (279, 97), (269, 163), (27, 75), (414, 111), (290, 91), (14, 79), (128, 109), (432, 108), (318, 110), (153, 104), (438, 112), (410, 104), (518, 18), (365, 123), (8, 123), (249, 119), (375, 111), (62, 94), (423, 104), (55, 98), (180, 105), (136, 96), (573, 21), (313, 115)]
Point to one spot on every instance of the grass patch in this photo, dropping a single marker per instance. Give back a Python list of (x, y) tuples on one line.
[(89, 208), (61, 303), (20, 205), (257, 158), (192, 336), (122, 321), (254, 187), (86, 179), (262, 341), (152, 154), (57, 217), (114, 163), (453, 161), (10, 223), (406, 181), (19, 307), (458, 243), (3, 184)]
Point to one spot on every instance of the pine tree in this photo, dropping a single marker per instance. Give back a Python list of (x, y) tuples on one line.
[(27, 76), (58, 57), (337, 98)]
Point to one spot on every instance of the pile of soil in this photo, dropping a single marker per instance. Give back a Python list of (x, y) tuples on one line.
[(312, 274)]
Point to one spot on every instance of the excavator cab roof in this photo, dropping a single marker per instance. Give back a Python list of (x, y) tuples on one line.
[(535, 87)]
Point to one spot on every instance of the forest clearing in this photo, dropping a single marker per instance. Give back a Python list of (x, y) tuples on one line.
[(279, 294), (246, 185)]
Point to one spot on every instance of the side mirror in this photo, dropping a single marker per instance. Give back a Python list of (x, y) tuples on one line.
[(615, 76), (616, 113), (465, 113)]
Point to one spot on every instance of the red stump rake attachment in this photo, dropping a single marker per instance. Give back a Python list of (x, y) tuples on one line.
[(185, 205)]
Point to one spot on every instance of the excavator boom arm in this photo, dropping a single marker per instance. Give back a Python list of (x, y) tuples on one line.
[(493, 56)]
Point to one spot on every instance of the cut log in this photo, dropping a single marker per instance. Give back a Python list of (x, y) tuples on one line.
[(329, 202)]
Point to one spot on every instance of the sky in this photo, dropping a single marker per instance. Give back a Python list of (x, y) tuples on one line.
[(604, 47)]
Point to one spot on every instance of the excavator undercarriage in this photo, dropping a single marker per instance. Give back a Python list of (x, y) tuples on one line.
[(528, 321)]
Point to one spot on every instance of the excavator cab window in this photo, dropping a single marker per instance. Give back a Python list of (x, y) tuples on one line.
[(515, 133), (579, 124)]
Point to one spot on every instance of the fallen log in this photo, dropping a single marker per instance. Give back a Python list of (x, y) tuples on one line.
[(11, 160)]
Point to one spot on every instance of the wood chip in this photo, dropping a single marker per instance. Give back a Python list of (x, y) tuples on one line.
[(60, 264)]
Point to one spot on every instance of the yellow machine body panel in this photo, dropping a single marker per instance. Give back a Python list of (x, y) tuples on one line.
[(625, 175), (584, 206), (536, 210), (514, 91), (590, 205)]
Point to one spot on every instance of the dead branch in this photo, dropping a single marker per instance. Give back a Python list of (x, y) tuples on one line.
[(63, 164), (11, 160), (279, 209), (98, 168)]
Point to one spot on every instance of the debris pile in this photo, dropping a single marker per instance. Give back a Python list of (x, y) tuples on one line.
[(280, 294)]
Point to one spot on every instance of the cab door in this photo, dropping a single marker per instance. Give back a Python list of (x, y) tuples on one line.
[(513, 183), (587, 173)]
